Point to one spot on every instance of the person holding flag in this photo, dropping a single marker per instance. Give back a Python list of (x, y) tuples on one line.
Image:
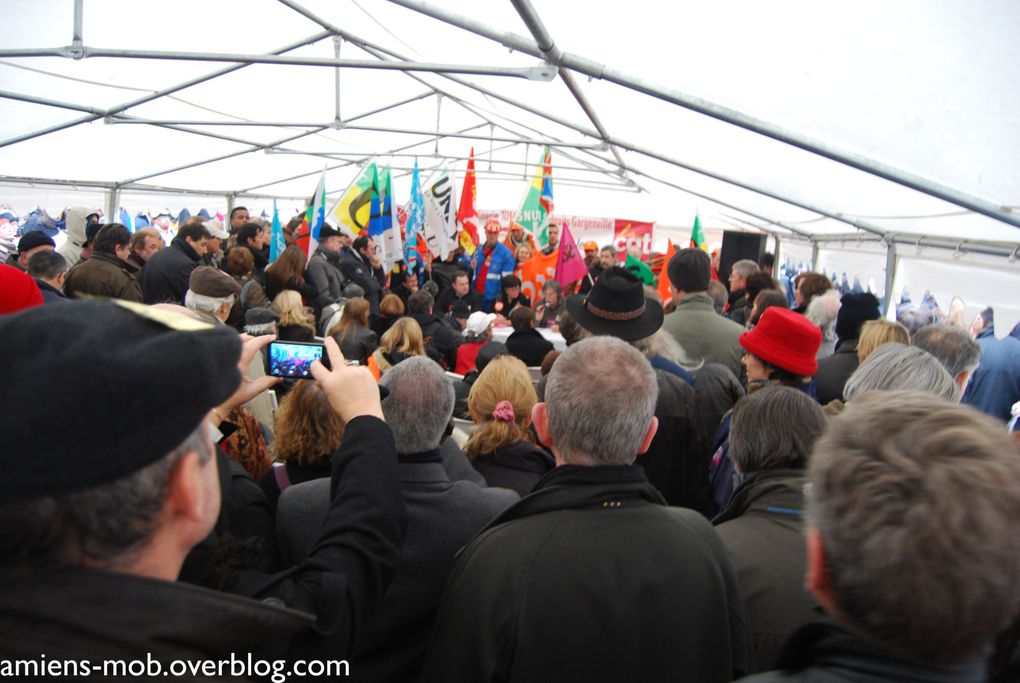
[(491, 262)]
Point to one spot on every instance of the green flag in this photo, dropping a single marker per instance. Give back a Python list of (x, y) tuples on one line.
[(698, 240), (641, 269)]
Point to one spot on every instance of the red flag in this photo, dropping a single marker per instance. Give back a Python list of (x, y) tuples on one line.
[(467, 215), (664, 276), (570, 266)]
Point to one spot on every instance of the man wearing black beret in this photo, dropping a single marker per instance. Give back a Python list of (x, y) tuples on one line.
[(31, 243), (103, 499)]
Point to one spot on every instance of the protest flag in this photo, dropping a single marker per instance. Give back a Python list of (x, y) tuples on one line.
[(467, 214), (570, 265), (664, 276), (276, 242)]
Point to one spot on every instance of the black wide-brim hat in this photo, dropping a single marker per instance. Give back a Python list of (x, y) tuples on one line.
[(616, 306)]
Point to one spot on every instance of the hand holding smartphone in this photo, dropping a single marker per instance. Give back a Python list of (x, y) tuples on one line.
[(294, 359)]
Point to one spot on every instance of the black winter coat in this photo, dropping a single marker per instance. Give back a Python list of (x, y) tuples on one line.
[(677, 459), (835, 370), (443, 515), (441, 342), (592, 578), (517, 467), (530, 346), (165, 276), (372, 280), (825, 652), (79, 613)]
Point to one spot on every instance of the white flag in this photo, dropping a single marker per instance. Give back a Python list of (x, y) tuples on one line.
[(440, 215)]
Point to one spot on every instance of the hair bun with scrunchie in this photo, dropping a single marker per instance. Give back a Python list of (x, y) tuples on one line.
[(504, 411)]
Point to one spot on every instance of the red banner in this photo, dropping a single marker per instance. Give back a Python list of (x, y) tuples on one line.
[(632, 233)]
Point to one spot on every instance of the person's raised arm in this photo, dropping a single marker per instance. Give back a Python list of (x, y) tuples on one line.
[(361, 539)]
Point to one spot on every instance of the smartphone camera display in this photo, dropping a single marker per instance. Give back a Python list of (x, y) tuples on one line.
[(294, 359)]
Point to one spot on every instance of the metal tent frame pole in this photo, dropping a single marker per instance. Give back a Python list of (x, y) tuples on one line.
[(553, 54), (154, 96), (594, 69), (859, 224), (346, 164), (544, 72)]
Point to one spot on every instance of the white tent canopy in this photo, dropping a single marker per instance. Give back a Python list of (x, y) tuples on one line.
[(887, 130)]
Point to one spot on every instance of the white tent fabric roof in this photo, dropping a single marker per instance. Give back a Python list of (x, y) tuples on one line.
[(921, 86)]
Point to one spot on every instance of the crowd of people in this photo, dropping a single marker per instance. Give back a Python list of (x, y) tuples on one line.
[(730, 486)]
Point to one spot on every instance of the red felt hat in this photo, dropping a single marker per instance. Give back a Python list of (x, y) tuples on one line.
[(18, 291), (786, 340)]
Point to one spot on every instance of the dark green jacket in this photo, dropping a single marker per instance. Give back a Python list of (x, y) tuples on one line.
[(762, 529)]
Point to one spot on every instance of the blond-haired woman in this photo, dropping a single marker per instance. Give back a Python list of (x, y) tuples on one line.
[(294, 324), (307, 432), (401, 341), (501, 447), (875, 333)]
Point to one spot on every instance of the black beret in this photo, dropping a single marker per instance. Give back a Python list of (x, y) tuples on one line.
[(854, 311), (327, 231), (34, 239), (260, 316), (101, 391)]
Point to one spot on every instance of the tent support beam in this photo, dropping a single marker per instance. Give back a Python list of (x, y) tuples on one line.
[(154, 96), (466, 136), (552, 54), (253, 147), (380, 52), (594, 69), (345, 164), (340, 156), (861, 225), (984, 247), (134, 187), (337, 41), (720, 202), (222, 157), (542, 72), (113, 205), (79, 19), (891, 262)]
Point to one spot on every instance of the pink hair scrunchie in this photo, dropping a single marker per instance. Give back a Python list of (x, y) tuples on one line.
[(504, 411)]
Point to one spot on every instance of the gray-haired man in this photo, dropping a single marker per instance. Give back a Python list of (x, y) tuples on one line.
[(443, 515), (911, 544), (592, 577)]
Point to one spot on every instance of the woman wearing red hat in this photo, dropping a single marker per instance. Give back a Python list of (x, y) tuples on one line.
[(780, 349)]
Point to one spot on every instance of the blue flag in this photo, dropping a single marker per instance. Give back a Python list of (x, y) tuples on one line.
[(125, 219), (276, 242), (415, 221)]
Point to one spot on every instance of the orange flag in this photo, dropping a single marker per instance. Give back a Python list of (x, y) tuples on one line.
[(663, 275), (535, 272)]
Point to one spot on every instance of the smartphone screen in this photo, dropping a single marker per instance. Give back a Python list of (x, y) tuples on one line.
[(294, 359)]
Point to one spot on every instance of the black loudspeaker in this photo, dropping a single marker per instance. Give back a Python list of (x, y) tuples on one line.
[(737, 246)]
